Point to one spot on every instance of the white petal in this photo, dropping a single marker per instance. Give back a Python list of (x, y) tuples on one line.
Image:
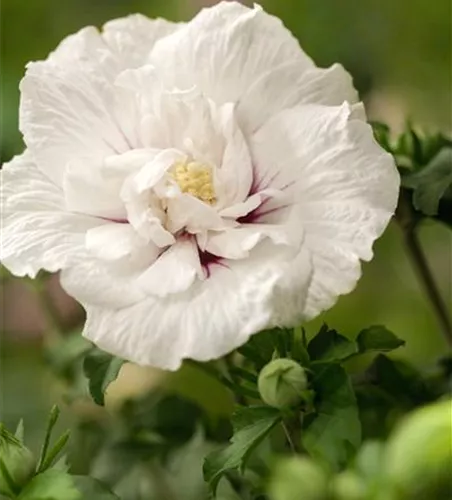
[(344, 184), (37, 232), (224, 50), (186, 211), (153, 171), (250, 204), (235, 175), (289, 85), (113, 241), (88, 190), (207, 321), (236, 243), (89, 282), (67, 114), (132, 38), (174, 271)]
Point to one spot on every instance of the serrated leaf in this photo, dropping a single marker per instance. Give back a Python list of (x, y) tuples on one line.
[(333, 433), (431, 183), (52, 484), (328, 346), (101, 369), (251, 425), (378, 338), (92, 489)]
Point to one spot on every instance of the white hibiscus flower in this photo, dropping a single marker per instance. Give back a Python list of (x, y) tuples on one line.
[(195, 183)]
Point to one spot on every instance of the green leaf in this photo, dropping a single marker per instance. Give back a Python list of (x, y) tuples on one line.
[(260, 348), (333, 433), (251, 425), (93, 489), (55, 451), (53, 417), (382, 135), (378, 338), (431, 183), (101, 369), (328, 345), (51, 485)]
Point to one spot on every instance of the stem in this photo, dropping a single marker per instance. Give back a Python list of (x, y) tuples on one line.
[(408, 223), (289, 437)]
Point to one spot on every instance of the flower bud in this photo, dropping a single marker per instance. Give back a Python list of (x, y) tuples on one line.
[(297, 478), (282, 382), (418, 455), (18, 461), (349, 486)]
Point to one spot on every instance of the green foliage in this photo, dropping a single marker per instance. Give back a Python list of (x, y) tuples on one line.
[(432, 183), (24, 478), (51, 485), (101, 369), (377, 338), (328, 346), (251, 425), (425, 165), (17, 462), (333, 433)]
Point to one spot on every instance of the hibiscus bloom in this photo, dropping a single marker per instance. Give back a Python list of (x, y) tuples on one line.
[(194, 183)]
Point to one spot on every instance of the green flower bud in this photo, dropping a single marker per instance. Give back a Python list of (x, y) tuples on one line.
[(282, 383), (18, 463), (418, 455), (297, 478), (349, 486)]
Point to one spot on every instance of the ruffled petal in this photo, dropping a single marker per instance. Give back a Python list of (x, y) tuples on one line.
[(113, 241), (224, 50), (174, 271), (91, 283), (235, 175), (72, 115), (289, 85), (37, 233), (207, 321), (132, 38), (345, 188), (236, 243)]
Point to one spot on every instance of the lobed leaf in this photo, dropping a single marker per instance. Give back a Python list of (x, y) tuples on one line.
[(251, 425)]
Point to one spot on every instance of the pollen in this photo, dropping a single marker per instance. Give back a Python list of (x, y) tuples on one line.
[(195, 178)]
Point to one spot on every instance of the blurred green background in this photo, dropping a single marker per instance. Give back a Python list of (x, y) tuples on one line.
[(400, 56)]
